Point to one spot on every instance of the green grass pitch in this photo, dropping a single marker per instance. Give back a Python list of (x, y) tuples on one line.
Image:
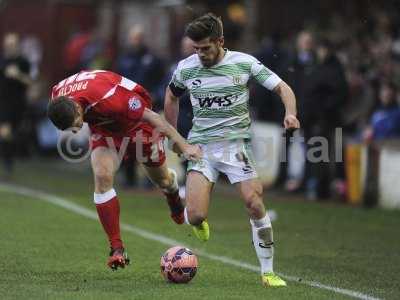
[(48, 252)]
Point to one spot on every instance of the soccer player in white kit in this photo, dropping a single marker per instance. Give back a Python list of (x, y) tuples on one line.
[(217, 81)]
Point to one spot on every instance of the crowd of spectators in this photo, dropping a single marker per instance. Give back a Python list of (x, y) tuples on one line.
[(345, 74)]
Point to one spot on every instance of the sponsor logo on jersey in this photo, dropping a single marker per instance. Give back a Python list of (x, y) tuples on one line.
[(196, 84), (134, 104), (217, 100)]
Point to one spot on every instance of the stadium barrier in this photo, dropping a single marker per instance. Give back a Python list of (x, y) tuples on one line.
[(386, 164), (372, 174)]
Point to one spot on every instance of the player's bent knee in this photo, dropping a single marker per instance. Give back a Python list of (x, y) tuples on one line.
[(254, 203), (252, 196)]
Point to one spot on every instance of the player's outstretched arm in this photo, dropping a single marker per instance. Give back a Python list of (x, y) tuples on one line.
[(191, 152), (289, 100), (171, 107)]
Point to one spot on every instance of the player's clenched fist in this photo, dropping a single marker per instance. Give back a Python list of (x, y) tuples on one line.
[(192, 152), (291, 122)]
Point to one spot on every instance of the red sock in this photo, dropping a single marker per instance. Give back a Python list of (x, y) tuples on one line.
[(174, 201), (109, 217)]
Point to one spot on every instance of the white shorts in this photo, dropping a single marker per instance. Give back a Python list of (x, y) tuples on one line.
[(234, 158)]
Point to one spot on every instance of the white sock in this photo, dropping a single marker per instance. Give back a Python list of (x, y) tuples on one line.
[(105, 197), (186, 216), (263, 242)]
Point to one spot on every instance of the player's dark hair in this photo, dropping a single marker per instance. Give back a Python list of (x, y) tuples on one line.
[(62, 112), (206, 26)]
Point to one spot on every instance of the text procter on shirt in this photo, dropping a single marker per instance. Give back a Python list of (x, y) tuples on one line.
[(113, 105)]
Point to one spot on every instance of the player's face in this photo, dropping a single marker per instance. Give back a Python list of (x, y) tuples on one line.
[(208, 50)]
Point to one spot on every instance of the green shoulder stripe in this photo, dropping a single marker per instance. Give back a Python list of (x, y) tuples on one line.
[(263, 75)]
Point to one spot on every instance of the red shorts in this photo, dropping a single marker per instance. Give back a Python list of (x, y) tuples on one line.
[(143, 147)]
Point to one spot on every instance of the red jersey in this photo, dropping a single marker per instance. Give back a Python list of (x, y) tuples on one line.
[(112, 104)]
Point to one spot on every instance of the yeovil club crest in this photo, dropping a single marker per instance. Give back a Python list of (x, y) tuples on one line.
[(134, 104), (237, 80)]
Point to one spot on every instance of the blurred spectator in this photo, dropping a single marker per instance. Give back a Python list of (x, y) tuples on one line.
[(326, 94), (300, 67), (41, 132), (327, 89), (32, 50), (234, 23), (267, 106), (385, 121), (97, 53), (14, 80), (141, 66), (87, 50), (73, 52)]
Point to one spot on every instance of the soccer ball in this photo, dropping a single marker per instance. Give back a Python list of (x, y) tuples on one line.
[(178, 265)]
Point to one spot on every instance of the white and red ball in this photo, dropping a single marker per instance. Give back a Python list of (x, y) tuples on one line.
[(178, 265)]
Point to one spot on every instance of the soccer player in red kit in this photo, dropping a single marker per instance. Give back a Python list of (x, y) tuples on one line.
[(119, 115)]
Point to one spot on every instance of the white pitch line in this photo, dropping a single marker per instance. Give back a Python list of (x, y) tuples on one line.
[(83, 211)]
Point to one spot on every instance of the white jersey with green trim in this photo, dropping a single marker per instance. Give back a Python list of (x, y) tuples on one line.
[(220, 94)]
